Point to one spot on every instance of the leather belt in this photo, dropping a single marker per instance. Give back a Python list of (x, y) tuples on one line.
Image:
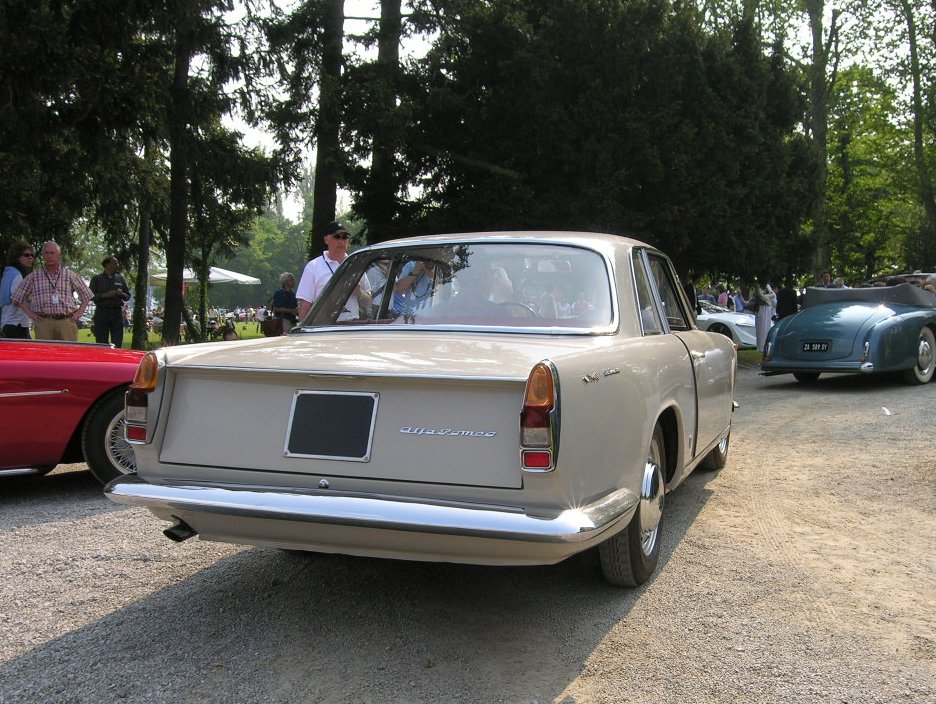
[(49, 316)]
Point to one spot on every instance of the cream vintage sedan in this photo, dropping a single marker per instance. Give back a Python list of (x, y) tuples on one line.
[(509, 398)]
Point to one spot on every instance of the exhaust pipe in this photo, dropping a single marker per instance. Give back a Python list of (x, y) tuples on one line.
[(180, 531)]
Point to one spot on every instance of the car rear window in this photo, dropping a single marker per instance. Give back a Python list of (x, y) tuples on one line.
[(508, 285)]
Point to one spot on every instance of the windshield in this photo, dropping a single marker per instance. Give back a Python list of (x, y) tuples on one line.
[(511, 285)]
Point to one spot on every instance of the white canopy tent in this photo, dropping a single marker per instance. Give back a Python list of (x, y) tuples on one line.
[(216, 275)]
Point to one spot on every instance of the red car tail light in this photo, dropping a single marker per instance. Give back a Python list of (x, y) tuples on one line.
[(539, 420), (535, 459), (136, 432)]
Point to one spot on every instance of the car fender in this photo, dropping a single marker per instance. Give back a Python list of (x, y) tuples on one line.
[(598, 387), (892, 343)]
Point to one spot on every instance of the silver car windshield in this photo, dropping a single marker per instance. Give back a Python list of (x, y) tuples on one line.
[(510, 285)]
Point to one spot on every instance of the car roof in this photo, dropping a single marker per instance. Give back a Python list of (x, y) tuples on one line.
[(597, 240), (907, 294)]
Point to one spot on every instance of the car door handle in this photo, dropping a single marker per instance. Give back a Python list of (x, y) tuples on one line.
[(697, 355)]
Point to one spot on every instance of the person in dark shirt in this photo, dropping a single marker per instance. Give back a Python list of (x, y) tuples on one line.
[(692, 292), (110, 293), (285, 306), (786, 301)]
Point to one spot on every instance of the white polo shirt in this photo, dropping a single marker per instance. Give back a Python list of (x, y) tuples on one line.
[(316, 274), (314, 277)]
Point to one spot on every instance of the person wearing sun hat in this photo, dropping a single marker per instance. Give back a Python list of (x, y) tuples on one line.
[(319, 271)]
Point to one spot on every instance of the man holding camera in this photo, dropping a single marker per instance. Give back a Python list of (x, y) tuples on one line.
[(110, 293)]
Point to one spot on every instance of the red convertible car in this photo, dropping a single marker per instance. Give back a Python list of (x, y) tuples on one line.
[(63, 402)]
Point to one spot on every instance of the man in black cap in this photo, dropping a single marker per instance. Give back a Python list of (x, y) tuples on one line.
[(110, 293), (319, 271)]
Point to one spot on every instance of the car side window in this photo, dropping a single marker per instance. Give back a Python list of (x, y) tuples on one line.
[(649, 317), (668, 288)]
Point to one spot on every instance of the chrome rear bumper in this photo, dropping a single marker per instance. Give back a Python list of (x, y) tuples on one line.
[(380, 526), (774, 368)]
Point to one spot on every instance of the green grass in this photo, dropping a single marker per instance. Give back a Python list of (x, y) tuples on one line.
[(749, 358), (155, 340)]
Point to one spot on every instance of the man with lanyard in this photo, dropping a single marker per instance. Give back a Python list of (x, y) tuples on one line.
[(110, 292), (47, 296), (319, 271)]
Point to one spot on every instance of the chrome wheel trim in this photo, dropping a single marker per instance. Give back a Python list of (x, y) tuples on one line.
[(723, 445), (652, 491), (925, 357), (119, 452)]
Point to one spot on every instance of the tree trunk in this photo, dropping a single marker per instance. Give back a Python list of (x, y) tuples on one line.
[(818, 121), (382, 186), (924, 180), (141, 290), (327, 126), (178, 189), (204, 274)]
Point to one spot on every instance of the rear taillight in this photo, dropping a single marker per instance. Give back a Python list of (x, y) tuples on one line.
[(136, 405), (539, 420)]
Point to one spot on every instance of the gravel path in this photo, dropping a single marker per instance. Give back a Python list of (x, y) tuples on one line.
[(803, 571)]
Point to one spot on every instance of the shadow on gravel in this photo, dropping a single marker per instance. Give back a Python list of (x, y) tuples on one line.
[(839, 384), (270, 626), (61, 495)]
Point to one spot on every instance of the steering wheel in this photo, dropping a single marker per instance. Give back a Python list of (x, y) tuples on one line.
[(527, 312)]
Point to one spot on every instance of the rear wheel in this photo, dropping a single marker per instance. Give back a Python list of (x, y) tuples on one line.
[(629, 558), (717, 458), (806, 377), (106, 451), (922, 371), (722, 329)]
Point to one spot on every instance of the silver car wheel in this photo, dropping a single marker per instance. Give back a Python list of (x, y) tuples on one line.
[(718, 457), (629, 558), (118, 450), (922, 371), (925, 353), (652, 492)]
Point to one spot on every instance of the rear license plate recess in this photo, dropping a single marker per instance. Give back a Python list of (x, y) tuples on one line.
[(816, 346), (337, 425)]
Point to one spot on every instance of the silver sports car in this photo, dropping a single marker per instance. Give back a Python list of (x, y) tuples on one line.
[(740, 327), (507, 398)]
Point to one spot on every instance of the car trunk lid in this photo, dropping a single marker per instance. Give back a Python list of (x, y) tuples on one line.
[(827, 332), (437, 408)]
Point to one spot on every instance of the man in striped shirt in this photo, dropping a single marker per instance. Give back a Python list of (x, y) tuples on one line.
[(47, 296)]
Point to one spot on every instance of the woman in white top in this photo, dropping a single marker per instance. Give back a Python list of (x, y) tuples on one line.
[(763, 318)]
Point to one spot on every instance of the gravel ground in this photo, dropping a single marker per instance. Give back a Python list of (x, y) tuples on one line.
[(803, 571)]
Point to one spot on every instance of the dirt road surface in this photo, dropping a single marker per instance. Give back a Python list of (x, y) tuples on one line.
[(804, 571)]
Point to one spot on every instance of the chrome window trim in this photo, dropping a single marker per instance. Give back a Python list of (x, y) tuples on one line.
[(612, 327)]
